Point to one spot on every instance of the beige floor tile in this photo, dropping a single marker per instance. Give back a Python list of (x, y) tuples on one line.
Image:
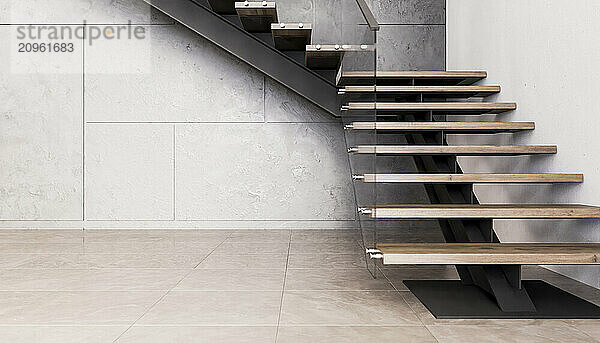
[(154, 235), (328, 261), (159, 247), (589, 326), (325, 248), (60, 334), (355, 334), (74, 308), (239, 248), (508, 334), (215, 308), (98, 261), (90, 279), (334, 279), (41, 236), (384, 308), (250, 261), (41, 248), (199, 334), (260, 236), (326, 236), (234, 280)]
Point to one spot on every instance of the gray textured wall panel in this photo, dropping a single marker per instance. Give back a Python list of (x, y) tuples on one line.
[(190, 79), (295, 11), (412, 47), (75, 11), (129, 172), (409, 11), (40, 138), (262, 171), (327, 22)]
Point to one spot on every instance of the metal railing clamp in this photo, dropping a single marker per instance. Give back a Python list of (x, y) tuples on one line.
[(364, 210)]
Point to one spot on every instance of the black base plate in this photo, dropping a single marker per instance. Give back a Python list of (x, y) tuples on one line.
[(450, 299)]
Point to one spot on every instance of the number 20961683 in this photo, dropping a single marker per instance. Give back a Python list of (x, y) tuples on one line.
[(46, 47)]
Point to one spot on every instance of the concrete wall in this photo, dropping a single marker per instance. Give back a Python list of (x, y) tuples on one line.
[(174, 132), (544, 53)]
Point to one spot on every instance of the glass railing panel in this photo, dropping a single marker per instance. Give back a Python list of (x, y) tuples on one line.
[(360, 39)]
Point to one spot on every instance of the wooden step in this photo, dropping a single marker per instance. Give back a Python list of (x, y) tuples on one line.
[(491, 253), (223, 6), (291, 36), (436, 107), (452, 211), (329, 56), (427, 91), (412, 78), (458, 150), (451, 127), (257, 16), (470, 178)]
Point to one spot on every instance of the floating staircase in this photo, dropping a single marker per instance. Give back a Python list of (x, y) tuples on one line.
[(414, 106)]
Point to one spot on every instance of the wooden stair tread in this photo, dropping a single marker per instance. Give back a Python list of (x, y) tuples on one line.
[(491, 253), (257, 16), (466, 91), (445, 126), (471, 178), (329, 56), (479, 107), (420, 77), (488, 211), (291, 36), (337, 48), (459, 150)]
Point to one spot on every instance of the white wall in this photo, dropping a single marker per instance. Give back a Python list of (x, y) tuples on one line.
[(546, 56)]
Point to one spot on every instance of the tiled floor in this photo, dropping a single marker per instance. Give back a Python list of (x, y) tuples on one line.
[(232, 286)]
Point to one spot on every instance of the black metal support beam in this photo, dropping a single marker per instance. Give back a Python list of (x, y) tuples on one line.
[(502, 283), (201, 19)]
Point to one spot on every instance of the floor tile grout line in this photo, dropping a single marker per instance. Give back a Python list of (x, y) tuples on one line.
[(283, 288), (167, 293), (407, 304)]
